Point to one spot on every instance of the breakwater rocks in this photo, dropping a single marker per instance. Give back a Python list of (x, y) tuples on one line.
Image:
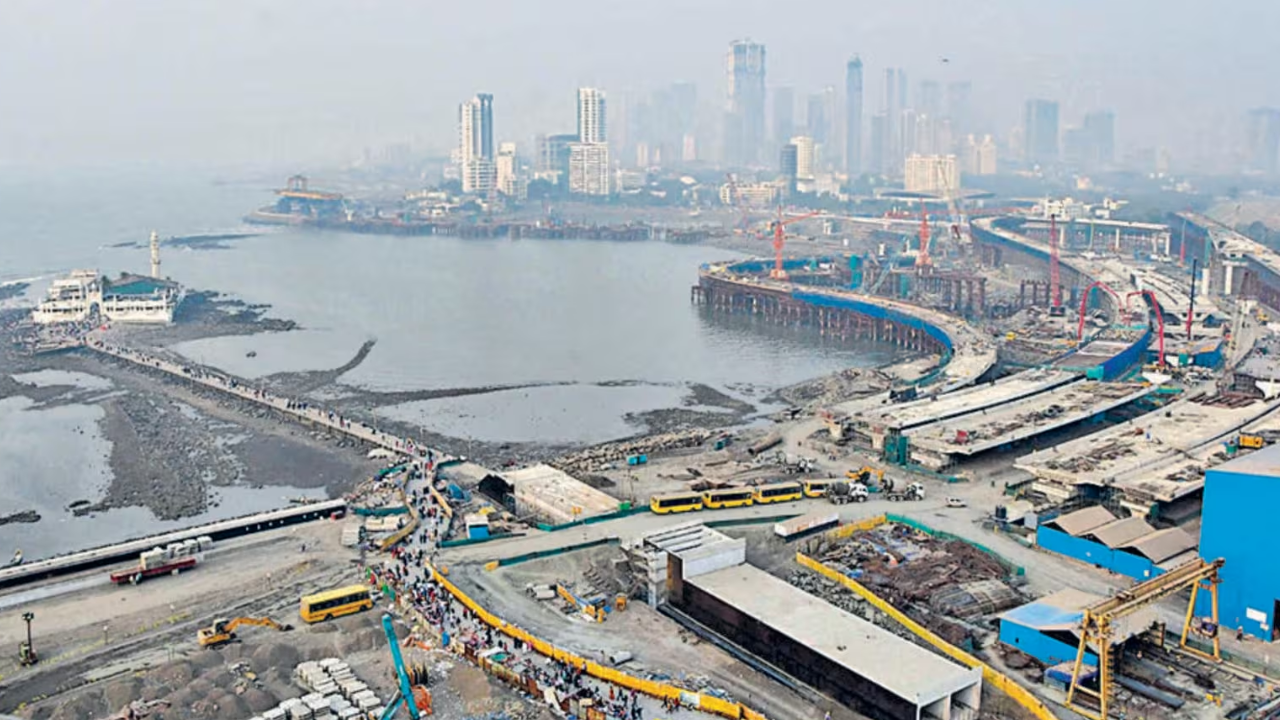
[(592, 458)]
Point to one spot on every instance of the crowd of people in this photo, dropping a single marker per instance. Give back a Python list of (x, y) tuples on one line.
[(408, 575)]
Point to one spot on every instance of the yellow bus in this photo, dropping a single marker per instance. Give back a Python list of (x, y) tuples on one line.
[(779, 492), (674, 503), (728, 498), (335, 603), (817, 487)]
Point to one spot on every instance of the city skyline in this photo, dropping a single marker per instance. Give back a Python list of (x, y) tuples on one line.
[(1166, 97)]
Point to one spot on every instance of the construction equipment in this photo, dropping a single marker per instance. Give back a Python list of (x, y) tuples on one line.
[(224, 631), (412, 693), (864, 474), (779, 241), (914, 491), (1098, 624), (1248, 440), (840, 493)]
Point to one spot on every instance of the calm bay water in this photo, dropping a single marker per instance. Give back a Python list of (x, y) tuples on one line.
[(611, 323)]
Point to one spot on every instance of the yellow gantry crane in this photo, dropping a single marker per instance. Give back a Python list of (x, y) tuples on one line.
[(1097, 625)]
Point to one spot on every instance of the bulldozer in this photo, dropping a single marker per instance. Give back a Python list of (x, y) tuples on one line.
[(224, 631)]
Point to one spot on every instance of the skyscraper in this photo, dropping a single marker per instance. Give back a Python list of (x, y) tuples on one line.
[(591, 116), (816, 120), (589, 157), (744, 119), (1040, 132), (853, 117), (475, 144), (930, 100), (958, 109), (784, 115), (1263, 139), (1100, 132)]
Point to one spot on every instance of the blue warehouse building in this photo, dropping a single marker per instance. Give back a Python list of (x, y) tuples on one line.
[(1048, 629), (1241, 498)]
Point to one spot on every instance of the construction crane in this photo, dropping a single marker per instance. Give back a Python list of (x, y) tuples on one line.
[(1055, 276), (223, 631), (780, 238), (959, 224), (1098, 624), (412, 694)]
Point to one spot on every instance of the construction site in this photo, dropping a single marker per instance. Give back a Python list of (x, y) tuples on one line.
[(1024, 525)]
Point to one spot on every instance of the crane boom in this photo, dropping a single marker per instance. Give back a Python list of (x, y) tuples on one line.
[(779, 241)]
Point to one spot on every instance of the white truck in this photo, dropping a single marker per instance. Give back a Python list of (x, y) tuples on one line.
[(914, 491)]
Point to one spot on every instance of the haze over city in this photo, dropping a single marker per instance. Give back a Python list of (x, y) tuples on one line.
[(698, 360), (299, 81)]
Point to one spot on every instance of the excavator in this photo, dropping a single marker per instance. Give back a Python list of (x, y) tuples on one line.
[(224, 631)]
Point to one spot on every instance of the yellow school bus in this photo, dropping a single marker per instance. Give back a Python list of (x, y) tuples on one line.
[(779, 492), (728, 498), (676, 502), (817, 487), (335, 603)]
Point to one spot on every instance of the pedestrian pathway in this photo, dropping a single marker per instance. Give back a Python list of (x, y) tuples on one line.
[(299, 409), (409, 573)]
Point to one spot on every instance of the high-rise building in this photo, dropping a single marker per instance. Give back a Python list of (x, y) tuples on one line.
[(553, 157), (958, 109), (806, 157), (784, 114), (589, 168), (853, 117), (816, 121), (508, 173), (1040, 132), (892, 129), (475, 144), (930, 100), (789, 161), (592, 127), (878, 143), (1100, 129), (979, 157), (744, 119), (1262, 139), (935, 174)]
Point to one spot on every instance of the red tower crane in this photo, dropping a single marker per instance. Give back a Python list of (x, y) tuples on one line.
[(922, 258), (1055, 276), (779, 240)]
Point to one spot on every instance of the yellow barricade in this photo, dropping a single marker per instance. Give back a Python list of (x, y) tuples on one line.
[(845, 531), (1020, 694), (706, 703)]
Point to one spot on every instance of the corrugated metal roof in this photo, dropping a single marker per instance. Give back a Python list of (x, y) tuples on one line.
[(1162, 544), (1082, 521), (1063, 610), (1124, 530)]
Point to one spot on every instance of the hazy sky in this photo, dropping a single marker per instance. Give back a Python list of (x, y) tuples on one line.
[(232, 81)]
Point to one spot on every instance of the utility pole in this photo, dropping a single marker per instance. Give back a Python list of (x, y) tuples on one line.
[(29, 656)]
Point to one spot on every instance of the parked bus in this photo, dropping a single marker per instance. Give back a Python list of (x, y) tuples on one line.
[(779, 492), (674, 503), (818, 487), (335, 603), (728, 498)]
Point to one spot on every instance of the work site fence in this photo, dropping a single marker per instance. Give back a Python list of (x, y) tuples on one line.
[(698, 701), (1002, 682)]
